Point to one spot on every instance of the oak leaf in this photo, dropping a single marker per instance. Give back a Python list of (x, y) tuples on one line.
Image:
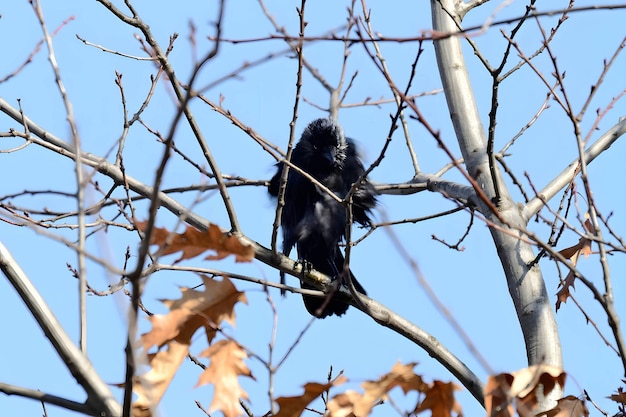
[(192, 242), (343, 405), (440, 400), (151, 386), (174, 330), (497, 401), (375, 391), (193, 310), (569, 406), (583, 247), (354, 403), (519, 389), (226, 366), (404, 377), (526, 380), (620, 397), (295, 406), (564, 292)]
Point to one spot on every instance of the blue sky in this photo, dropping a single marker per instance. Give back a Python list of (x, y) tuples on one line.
[(470, 283)]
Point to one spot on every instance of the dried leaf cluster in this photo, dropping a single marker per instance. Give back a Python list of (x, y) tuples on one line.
[(192, 242), (583, 247), (172, 333), (519, 393)]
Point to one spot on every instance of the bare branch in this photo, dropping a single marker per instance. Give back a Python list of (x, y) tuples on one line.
[(111, 51), (46, 398), (529, 294), (567, 175), (80, 183), (100, 400)]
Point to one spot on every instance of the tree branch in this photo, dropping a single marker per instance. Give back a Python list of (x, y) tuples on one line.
[(100, 400), (603, 143), (379, 312), (37, 395), (526, 284), (426, 341)]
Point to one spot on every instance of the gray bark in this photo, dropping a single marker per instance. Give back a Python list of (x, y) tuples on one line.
[(100, 401), (526, 284)]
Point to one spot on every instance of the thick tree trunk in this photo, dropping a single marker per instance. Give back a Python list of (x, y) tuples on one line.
[(526, 285)]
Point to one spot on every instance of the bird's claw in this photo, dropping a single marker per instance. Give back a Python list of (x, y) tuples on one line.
[(306, 265)]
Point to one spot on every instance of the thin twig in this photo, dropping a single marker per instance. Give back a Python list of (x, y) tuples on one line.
[(80, 184)]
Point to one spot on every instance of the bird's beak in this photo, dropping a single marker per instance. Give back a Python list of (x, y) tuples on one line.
[(329, 155)]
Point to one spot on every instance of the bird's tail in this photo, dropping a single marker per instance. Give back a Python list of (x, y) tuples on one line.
[(337, 304)]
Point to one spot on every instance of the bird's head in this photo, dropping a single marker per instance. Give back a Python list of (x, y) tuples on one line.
[(325, 142)]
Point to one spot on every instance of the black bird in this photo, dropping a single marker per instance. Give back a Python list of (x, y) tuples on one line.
[(314, 221)]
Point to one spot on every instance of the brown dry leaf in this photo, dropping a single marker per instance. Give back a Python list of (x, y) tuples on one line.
[(526, 380), (375, 391), (193, 242), (582, 247), (563, 294), (440, 400), (294, 406), (354, 403), (620, 397), (569, 406), (519, 389), (226, 365), (165, 328), (497, 401), (406, 379), (151, 386), (342, 405), (193, 310), (573, 254)]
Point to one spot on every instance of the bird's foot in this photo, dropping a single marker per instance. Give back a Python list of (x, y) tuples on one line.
[(306, 265)]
